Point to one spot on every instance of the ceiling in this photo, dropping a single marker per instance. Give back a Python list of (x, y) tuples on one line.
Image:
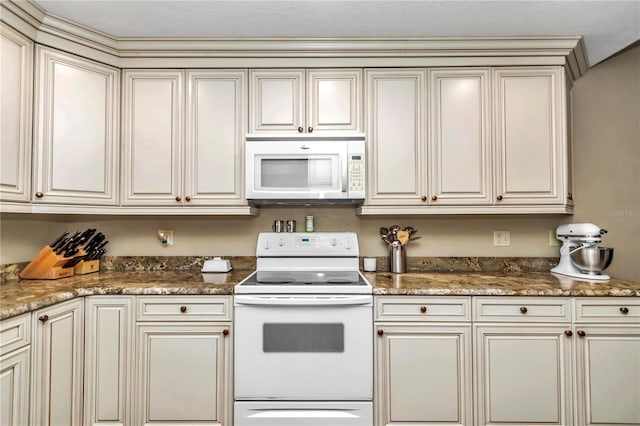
[(607, 26)]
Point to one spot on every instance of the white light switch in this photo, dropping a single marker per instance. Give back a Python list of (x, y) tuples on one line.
[(501, 238)]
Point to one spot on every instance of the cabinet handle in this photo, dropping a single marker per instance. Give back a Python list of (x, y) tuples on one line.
[(39, 194), (434, 197), (183, 309), (581, 333), (570, 196), (380, 332), (624, 310), (423, 198), (44, 318), (187, 198), (300, 129), (423, 309), (569, 333), (499, 198), (523, 309), (178, 198), (310, 129), (225, 332)]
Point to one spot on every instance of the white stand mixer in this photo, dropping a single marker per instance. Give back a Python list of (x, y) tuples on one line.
[(584, 237)]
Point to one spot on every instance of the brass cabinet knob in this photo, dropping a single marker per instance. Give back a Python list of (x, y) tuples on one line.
[(183, 309), (434, 197), (310, 129), (581, 333), (380, 332), (499, 198), (423, 198), (423, 309), (44, 318), (187, 198), (178, 198), (624, 310), (225, 332), (523, 309), (300, 129), (569, 333), (39, 194)]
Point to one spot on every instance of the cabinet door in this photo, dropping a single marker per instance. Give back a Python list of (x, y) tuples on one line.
[(459, 121), (608, 374), (216, 124), (152, 115), (276, 100), (423, 375), (76, 130), (396, 155), (530, 135), (56, 387), (16, 89), (334, 99), (183, 374), (14, 387), (108, 360), (523, 375)]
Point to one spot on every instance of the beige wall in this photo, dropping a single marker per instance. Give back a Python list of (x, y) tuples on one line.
[(606, 164), (606, 167)]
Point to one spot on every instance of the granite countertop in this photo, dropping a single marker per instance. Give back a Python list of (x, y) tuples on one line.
[(17, 297)]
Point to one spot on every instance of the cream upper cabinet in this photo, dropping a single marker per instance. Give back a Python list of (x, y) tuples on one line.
[(56, 386), (305, 101), (162, 167), (153, 115), (459, 139), (76, 130), (396, 154), (530, 135), (608, 361), (216, 120), (16, 91)]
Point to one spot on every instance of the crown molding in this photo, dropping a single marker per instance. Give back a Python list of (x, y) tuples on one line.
[(28, 18)]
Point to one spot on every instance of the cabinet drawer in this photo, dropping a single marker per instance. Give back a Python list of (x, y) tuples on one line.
[(14, 333), (522, 309), (408, 308), (609, 309), (184, 308)]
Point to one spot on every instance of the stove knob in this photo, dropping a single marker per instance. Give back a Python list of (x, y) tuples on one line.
[(334, 242), (348, 245), (267, 245), (281, 242)]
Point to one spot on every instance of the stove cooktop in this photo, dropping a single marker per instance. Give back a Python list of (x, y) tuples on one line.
[(301, 282)]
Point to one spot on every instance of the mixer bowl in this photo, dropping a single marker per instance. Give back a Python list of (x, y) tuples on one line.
[(592, 260)]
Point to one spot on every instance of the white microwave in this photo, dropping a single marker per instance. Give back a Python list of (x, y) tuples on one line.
[(304, 169)]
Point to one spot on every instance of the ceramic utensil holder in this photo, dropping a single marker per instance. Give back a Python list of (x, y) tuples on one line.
[(397, 258)]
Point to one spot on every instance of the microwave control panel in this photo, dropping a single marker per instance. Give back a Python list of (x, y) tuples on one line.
[(356, 172)]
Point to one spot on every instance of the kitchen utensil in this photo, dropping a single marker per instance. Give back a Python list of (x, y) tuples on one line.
[(397, 257), (59, 240), (592, 260), (384, 231), (580, 256), (403, 237), (393, 229)]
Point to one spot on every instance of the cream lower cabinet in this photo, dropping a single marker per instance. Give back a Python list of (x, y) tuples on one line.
[(57, 368), (183, 361), (15, 360), (608, 361), (423, 365), (108, 360), (523, 361)]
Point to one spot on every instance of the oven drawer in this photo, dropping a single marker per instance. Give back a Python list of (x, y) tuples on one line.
[(294, 413), (184, 308), (407, 308)]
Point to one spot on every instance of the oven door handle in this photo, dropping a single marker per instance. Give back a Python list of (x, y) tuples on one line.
[(303, 301)]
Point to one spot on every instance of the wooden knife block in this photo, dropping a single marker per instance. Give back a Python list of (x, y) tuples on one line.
[(47, 265), (87, 267)]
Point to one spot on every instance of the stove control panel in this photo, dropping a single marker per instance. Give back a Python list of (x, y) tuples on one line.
[(301, 244)]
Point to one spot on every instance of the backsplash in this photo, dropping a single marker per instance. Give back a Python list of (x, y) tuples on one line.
[(10, 272)]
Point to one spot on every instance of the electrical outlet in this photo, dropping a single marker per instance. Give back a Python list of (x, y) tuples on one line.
[(501, 238), (165, 237), (553, 241)]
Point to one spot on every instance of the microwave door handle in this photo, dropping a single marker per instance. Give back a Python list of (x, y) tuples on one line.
[(345, 171)]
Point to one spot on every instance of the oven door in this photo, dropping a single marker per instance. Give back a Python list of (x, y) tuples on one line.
[(303, 347)]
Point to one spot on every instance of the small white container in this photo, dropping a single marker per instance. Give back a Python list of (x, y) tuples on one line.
[(370, 264), (216, 264)]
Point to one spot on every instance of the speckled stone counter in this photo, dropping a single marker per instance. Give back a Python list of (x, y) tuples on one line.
[(17, 297), (495, 284)]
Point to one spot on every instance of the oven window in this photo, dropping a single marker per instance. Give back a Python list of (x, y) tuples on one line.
[(303, 337)]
